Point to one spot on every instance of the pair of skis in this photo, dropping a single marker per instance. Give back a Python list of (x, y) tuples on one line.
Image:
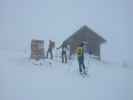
[(84, 74)]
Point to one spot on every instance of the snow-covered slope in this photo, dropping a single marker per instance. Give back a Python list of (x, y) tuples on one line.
[(22, 80)]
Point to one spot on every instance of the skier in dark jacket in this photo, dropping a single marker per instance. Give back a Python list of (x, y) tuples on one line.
[(50, 50), (64, 51), (80, 56), (64, 54)]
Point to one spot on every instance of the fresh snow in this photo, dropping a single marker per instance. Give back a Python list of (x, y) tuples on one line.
[(23, 79)]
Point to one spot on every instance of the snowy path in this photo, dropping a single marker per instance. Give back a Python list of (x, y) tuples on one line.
[(21, 80)]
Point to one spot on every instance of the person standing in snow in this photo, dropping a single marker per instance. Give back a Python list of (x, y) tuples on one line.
[(64, 54), (80, 57), (50, 50)]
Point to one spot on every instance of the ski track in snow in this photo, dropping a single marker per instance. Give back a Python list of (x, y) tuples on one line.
[(22, 80)]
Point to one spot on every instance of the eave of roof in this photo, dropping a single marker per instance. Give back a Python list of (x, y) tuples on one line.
[(102, 40)]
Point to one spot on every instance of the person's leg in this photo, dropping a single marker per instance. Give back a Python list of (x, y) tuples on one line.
[(51, 54), (62, 56), (47, 53), (80, 65), (65, 58), (83, 65), (84, 68), (80, 68)]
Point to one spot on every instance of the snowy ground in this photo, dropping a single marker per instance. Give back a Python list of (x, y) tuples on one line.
[(21, 80)]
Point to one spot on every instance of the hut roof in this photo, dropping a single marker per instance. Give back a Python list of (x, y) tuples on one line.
[(87, 33)]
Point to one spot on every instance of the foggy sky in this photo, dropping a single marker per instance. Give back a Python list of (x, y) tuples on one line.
[(58, 19)]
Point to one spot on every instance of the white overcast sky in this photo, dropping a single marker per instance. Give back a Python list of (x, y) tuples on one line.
[(57, 19)]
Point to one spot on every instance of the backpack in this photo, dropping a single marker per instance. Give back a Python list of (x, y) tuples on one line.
[(79, 51)]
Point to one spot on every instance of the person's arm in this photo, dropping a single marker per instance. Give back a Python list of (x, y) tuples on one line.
[(59, 47)]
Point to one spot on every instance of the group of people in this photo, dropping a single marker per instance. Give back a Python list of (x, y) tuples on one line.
[(64, 49)]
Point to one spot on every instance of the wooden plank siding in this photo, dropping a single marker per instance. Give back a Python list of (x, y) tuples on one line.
[(37, 49)]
